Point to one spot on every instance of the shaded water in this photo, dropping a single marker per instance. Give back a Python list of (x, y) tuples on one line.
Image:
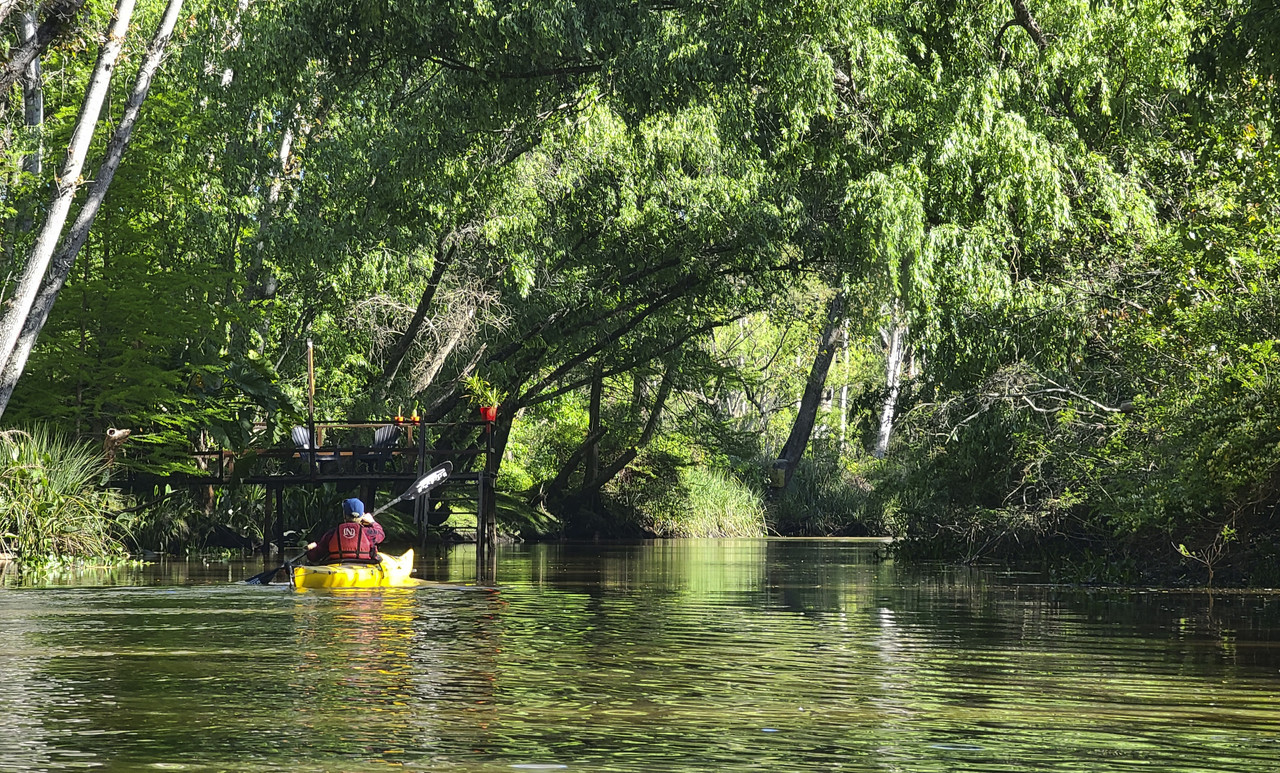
[(699, 655)]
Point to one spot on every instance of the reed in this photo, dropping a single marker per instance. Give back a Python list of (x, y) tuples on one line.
[(53, 502), (716, 504), (826, 499)]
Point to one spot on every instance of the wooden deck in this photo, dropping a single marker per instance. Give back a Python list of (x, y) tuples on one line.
[(366, 467)]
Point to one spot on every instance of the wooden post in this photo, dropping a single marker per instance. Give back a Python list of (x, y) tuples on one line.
[(422, 525), (311, 408), (419, 504), (487, 512), (490, 500), (481, 541), (277, 513), (267, 527)]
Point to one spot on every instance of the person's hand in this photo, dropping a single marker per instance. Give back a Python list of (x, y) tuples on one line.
[(311, 546), (366, 519)]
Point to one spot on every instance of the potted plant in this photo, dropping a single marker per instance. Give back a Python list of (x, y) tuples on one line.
[(483, 395)]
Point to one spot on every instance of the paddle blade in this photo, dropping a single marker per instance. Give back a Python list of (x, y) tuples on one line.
[(264, 578), (429, 481)]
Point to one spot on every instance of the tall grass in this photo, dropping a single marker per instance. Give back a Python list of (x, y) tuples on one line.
[(826, 499), (716, 504), (52, 503)]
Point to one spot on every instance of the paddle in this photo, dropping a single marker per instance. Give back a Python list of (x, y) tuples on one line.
[(434, 477), (265, 578)]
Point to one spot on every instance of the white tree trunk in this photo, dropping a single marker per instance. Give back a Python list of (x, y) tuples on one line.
[(38, 311), (237, 36), (32, 98), (68, 182), (844, 388), (897, 341), (33, 116)]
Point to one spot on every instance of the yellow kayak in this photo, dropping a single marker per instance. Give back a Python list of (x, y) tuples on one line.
[(392, 572)]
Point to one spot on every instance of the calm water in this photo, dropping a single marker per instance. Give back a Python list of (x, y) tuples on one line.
[(689, 656)]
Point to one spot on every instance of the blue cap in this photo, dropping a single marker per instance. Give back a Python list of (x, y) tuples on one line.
[(352, 507)]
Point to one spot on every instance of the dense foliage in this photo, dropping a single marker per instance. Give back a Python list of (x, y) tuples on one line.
[(1025, 253), (52, 500)]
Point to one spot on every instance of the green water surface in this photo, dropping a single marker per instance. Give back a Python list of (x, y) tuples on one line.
[(768, 655)]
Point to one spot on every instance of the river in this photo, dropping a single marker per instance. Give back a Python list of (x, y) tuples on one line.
[(772, 655)]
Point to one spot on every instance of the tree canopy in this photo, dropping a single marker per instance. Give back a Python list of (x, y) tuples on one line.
[(1063, 213)]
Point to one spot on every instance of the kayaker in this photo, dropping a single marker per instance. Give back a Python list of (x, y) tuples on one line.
[(353, 542)]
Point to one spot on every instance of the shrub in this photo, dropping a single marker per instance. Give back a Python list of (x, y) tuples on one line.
[(716, 504), (52, 504)]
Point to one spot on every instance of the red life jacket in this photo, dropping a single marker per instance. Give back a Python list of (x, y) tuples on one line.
[(348, 542)]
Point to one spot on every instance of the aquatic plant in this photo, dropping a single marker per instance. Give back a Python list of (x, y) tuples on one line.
[(716, 504), (53, 504)]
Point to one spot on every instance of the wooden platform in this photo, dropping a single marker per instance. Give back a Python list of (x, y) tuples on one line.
[(365, 467)]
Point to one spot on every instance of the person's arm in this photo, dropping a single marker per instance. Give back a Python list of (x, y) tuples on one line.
[(373, 530), (315, 553)]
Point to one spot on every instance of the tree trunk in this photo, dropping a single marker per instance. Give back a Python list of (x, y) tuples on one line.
[(262, 286), (68, 182), (32, 102), (844, 388), (802, 429), (554, 491), (33, 116), (593, 483), (59, 16), (1022, 15), (36, 313), (897, 343), (237, 37), (401, 350), (591, 463), (583, 505)]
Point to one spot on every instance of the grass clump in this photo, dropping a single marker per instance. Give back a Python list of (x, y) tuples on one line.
[(715, 504), (53, 505), (826, 498)]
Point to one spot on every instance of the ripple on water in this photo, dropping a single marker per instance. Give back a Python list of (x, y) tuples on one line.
[(727, 655)]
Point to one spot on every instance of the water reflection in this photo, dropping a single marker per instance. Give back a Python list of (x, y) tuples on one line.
[(760, 654)]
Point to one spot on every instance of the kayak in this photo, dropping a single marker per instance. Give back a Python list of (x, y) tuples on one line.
[(393, 572)]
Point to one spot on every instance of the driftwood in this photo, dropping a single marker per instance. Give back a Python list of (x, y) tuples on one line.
[(111, 445)]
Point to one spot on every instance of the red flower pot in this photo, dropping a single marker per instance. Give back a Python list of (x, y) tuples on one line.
[(489, 412)]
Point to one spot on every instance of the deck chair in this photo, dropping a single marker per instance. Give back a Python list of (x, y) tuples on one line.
[(384, 441), (302, 441)]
